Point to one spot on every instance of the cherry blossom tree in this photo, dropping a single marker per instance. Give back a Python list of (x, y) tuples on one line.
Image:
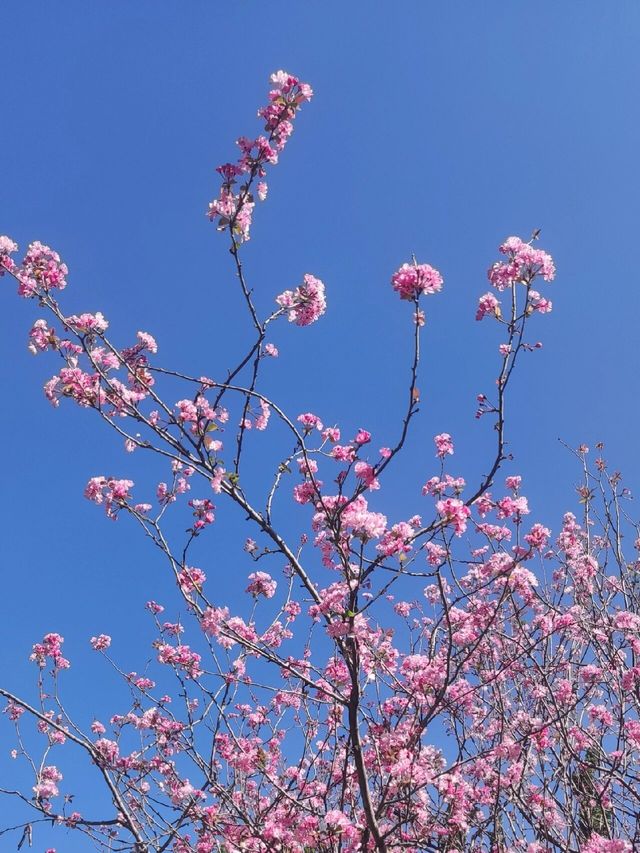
[(460, 680)]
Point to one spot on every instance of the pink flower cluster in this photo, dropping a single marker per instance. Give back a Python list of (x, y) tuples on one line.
[(444, 444), (203, 513), (73, 382), (7, 247), (181, 657), (235, 210), (367, 473), (412, 280), (538, 537), (523, 264), (261, 583), (310, 422), (397, 540), (41, 337), (260, 422), (100, 643), (539, 303), (114, 494), (191, 579), (50, 647), (455, 513), (47, 785), (41, 270), (305, 304), (599, 844), (87, 323), (437, 486), (509, 507), (488, 304)]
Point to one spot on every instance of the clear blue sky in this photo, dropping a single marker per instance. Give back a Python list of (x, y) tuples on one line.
[(437, 128)]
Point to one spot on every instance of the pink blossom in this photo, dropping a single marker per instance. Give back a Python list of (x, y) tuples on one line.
[(488, 304), (444, 444), (101, 642), (343, 453), (308, 467), (484, 504), (41, 337), (626, 621), (180, 656), (367, 474), (13, 711), (538, 537), (336, 821), (397, 540), (292, 609), (632, 729), (107, 750), (7, 247), (412, 280), (356, 519), (494, 532), (50, 647), (600, 844), (202, 512), (41, 271), (331, 434), (113, 493), (233, 210), (436, 554), (87, 323), (147, 342), (310, 422), (271, 350), (261, 583), (191, 579), (47, 785), (509, 507), (306, 492), (305, 304), (539, 303), (600, 714), (262, 419), (523, 263), (73, 382), (455, 513)]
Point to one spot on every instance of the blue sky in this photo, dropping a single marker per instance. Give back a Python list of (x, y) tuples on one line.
[(437, 128)]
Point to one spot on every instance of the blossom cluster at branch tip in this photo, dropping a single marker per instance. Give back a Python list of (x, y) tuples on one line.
[(444, 444), (488, 304), (41, 269), (47, 785), (50, 647), (413, 280), (454, 513), (306, 304), (234, 209), (261, 583), (111, 493), (523, 264), (101, 642)]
